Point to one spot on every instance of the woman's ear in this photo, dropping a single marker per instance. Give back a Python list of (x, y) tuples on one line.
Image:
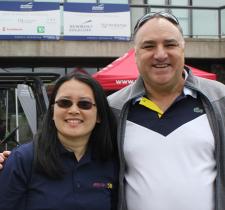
[(98, 119)]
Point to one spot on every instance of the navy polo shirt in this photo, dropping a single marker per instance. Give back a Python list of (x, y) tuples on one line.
[(87, 184)]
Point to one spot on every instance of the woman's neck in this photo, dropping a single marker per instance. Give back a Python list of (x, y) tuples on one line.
[(77, 146)]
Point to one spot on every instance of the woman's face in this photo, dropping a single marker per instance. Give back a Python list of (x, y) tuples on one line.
[(73, 122)]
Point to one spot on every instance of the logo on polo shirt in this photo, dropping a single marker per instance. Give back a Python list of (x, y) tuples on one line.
[(100, 185), (198, 110)]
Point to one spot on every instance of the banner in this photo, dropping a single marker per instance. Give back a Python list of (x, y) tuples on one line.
[(85, 21), (29, 20)]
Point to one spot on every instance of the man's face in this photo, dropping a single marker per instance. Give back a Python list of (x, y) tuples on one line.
[(159, 52)]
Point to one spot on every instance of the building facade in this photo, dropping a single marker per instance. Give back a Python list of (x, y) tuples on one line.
[(203, 23)]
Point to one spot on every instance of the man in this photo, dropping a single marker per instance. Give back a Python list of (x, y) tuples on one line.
[(171, 127)]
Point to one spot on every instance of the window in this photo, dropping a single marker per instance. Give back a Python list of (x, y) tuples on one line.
[(210, 3), (182, 15), (223, 23), (209, 28)]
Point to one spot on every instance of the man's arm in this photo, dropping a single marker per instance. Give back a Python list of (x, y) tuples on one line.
[(3, 157)]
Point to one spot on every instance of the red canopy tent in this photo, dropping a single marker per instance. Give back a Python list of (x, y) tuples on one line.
[(123, 71)]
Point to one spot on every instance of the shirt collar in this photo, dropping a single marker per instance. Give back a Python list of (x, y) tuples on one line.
[(186, 91), (85, 159)]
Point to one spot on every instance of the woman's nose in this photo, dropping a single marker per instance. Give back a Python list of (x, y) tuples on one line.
[(74, 108)]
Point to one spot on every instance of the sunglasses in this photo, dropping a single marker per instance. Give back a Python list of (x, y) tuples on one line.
[(67, 103), (170, 17)]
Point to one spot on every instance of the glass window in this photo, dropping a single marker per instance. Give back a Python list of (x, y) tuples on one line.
[(203, 28), (136, 13), (182, 15), (156, 2), (211, 3), (223, 22), (209, 27)]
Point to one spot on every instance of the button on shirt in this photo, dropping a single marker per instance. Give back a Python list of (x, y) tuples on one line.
[(87, 184)]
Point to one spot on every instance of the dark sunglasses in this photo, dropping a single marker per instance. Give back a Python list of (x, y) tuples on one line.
[(67, 103), (170, 17)]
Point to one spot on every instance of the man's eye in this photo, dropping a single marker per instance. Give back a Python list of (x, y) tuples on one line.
[(148, 46), (171, 45)]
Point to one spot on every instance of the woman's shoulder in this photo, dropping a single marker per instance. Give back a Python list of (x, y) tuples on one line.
[(20, 162), (24, 152)]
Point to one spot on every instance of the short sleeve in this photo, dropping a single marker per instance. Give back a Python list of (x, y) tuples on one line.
[(14, 178)]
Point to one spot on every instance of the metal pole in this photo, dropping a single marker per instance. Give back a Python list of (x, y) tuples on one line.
[(219, 24), (17, 116), (6, 113), (6, 117)]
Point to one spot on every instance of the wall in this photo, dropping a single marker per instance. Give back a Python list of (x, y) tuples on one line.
[(195, 48)]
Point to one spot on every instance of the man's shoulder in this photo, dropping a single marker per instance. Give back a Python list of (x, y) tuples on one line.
[(120, 97), (120, 93), (131, 91), (212, 88)]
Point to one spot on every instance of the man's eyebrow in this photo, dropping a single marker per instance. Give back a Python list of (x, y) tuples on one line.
[(153, 42), (148, 42), (171, 40)]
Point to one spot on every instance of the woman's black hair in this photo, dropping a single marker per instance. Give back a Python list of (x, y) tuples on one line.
[(102, 140)]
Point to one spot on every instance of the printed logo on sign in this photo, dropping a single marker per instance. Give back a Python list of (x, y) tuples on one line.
[(27, 6), (87, 21), (40, 29), (124, 81), (99, 7)]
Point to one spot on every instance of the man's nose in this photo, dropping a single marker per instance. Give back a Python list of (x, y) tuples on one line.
[(160, 53)]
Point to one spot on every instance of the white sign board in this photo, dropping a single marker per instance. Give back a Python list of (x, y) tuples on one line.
[(85, 21), (32, 20)]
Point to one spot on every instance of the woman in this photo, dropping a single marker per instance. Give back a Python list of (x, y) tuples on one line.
[(71, 164)]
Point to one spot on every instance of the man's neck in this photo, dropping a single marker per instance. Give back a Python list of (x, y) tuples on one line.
[(163, 98)]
